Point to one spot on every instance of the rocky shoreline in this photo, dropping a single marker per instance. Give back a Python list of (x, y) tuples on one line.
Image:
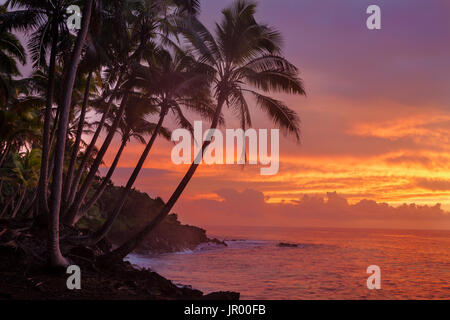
[(25, 275), (170, 236)]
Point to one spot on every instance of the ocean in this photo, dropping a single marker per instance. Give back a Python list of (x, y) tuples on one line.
[(327, 264)]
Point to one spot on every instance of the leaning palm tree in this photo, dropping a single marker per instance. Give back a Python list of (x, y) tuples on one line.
[(245, 58), (109, 46), (98, 54), (174, 83), (133, 126), (127, 52), (146, 22)]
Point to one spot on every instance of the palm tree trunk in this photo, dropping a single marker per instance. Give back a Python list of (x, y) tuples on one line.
[(103, 231), (76, 146), (44, 173), (104, 183), (130, 245), (90, 149), (69, 217), (56, 259), (52, 141), (19, 203)]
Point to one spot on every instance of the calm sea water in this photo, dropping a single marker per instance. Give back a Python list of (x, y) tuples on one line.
[(328, 264)]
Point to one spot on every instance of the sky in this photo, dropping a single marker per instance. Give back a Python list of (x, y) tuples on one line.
[(374, 148)]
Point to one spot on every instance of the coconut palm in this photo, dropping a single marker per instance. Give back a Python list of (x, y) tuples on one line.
[(104, 106), (245, 58), (46, 21), (126, 52), (98, 55), (108, 48), (177, 83), (146, 22), (133, 126)]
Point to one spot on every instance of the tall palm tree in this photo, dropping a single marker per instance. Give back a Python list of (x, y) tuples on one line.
[(104, 105), (245, 57), (109, 46), (177, 83), (79, 133), (97, 56), (133, 126), (56, 259), (46, 20), (145, 22)]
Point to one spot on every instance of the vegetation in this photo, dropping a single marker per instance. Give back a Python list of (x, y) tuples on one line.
[(129, 62)]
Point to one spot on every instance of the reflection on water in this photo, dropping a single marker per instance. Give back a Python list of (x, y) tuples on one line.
[(329, 264)]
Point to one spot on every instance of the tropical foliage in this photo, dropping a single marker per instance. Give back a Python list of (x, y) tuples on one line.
[(130, 62)]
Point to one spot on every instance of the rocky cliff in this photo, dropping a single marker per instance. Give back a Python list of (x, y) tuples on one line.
[(169, 236)]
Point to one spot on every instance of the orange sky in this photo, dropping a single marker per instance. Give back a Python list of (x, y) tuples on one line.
[(375, 125)]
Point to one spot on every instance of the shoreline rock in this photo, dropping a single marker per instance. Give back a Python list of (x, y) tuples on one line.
[(176, 237), (26, 277), (170, 236), (288, 245)]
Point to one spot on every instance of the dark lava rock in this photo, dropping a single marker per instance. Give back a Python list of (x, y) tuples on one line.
[(217, 241), (174, 237), (288, 245), (25, 274)]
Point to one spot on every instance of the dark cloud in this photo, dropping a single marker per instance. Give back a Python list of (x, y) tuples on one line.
[(249, 207)]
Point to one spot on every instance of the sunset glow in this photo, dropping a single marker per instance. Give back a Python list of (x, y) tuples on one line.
[(375, 123)]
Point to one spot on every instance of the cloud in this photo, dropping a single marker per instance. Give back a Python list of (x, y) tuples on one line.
[(434, 184), (375, 124), (410, 159), (250, 207)]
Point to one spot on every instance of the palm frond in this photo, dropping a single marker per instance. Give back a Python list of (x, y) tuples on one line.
[(284, 117), (274, 80)]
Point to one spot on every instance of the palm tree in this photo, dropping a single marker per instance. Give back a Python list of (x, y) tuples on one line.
[(97, 56), (109, 47), (56, 259), (133, 126), (127, 50), (146, 21), (77, 142), (243, 54), (176, 84), (46, 19), (105, 108)]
